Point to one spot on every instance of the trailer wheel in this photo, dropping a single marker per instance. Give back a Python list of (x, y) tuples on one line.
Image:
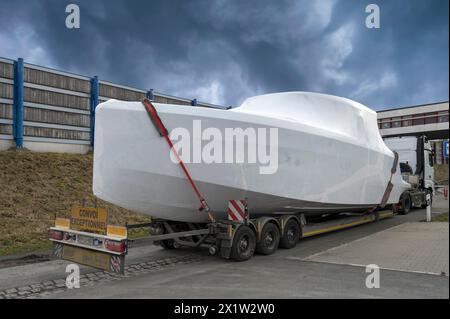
[(291, 234), (167, 244), (244, 243), (406, 204), (270, 239)]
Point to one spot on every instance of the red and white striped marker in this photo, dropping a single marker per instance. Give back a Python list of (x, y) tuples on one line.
[(236, 209)]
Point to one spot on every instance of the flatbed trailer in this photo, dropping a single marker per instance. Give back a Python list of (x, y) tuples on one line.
[(236, 240), (314, 229), (225, 237)]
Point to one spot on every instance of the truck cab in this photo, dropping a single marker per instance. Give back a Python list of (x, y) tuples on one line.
[(416, 165)]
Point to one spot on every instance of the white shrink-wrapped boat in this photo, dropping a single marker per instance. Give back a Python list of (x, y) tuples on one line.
[(291, 152)]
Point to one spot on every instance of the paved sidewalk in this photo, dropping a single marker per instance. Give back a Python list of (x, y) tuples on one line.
[(415, 247)]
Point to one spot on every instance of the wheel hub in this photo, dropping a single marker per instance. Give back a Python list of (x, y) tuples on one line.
[(243, 244), (290, 233), (268, 240)]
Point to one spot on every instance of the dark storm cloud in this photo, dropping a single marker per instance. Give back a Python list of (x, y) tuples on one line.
[(224, 51)]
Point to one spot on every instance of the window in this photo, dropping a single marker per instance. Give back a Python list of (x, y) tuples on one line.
[(407, 120), (443, 117), (386, 123), (418, 119), (396, 122), (431, 118)]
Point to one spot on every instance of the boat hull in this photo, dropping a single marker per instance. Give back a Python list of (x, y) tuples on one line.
[(317, 170)]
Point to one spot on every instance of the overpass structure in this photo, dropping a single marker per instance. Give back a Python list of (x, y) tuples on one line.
[(428, 119)]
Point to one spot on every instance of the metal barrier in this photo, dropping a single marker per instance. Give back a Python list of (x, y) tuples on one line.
[(45, 109)]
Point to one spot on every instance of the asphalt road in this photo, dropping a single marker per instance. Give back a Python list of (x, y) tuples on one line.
[(186, 273)]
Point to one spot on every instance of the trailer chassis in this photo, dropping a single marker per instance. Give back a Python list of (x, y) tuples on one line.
[(224, 237)]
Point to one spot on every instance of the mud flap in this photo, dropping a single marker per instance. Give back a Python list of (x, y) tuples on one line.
[(88, 257)]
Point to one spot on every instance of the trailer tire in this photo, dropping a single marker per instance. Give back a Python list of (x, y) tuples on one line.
[(291, 234), (269, 239), (244, 244), (406, 204), (167, 244)]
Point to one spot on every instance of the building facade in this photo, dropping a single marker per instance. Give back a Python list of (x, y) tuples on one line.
[(429, 119)]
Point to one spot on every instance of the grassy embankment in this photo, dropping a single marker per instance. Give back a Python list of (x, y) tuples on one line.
[(36, 186), (440, 218)]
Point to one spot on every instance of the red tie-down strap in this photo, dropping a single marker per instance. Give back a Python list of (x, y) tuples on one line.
[(389, 187), (156, 120)]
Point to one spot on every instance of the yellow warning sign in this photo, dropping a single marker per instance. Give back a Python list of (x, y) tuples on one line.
[(62, 223), (116, 231), (89, 219)]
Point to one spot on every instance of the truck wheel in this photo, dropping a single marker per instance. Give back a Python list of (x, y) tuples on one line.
[(167, 244), (244, 243), (406, 204), (270, 239), (291, 234)]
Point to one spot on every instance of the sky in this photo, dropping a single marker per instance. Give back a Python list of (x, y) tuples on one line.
[(222, 52)]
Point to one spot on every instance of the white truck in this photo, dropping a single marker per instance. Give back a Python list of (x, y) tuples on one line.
[(416, 165)]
